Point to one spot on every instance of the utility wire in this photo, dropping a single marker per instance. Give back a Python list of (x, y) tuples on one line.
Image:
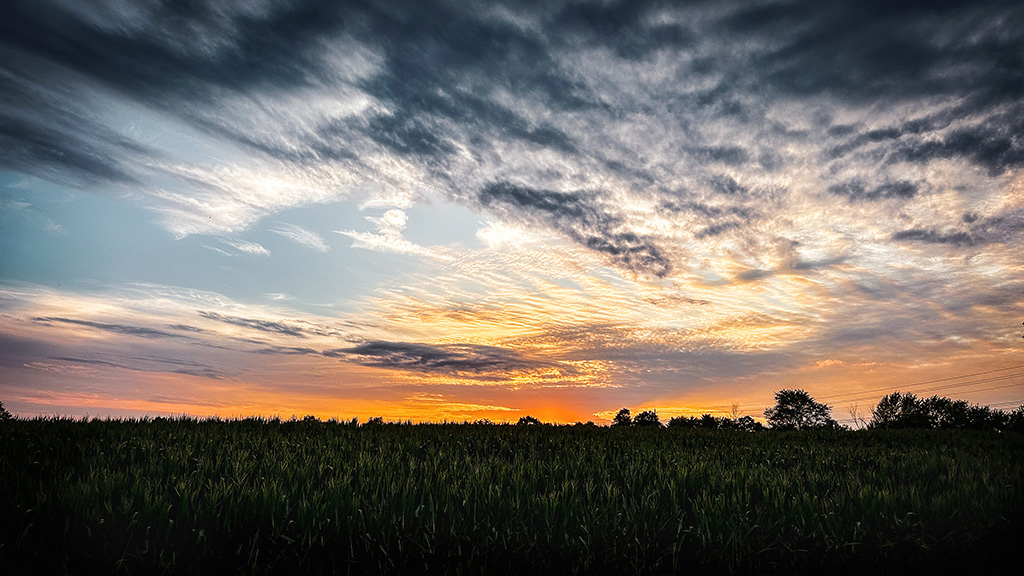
[(871, 398), (913, 387), (950, 386), (947, 379)]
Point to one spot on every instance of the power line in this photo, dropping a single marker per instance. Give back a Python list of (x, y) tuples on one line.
[(947, 379), (1013, 403), (921, 392), (971, 375)]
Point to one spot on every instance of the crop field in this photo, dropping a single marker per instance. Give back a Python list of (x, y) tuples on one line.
[(266, 496)]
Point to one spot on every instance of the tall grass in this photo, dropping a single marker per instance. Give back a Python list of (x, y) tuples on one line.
[(257, 496)]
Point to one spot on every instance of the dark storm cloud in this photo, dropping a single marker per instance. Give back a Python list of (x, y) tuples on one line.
[(469, 360), (578, 215)]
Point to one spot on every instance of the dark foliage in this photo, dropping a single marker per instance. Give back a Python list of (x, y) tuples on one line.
[(528, 421), (647, 418), (4, 414), (622, 418), (707, 421), (796, 410), (906, 410)]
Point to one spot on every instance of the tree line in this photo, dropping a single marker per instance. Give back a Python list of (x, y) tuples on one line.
[(795, 409)]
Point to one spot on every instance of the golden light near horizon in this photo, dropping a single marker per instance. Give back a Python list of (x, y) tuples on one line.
[(686, 211)]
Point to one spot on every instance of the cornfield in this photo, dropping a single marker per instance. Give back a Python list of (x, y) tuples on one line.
[(268, 496)]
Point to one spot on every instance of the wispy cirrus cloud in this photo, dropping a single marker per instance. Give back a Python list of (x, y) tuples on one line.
[(300, 235), (246, 247), (389, 238)]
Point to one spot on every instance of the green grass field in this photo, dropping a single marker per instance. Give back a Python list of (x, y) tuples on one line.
[(254, 496)]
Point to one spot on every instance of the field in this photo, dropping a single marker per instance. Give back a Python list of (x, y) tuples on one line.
[(269, 496)]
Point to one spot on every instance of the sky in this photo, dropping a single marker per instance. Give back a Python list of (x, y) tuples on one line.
[(434, 210)]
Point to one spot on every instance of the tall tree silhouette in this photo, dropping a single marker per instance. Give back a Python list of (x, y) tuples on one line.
[(796, 410)]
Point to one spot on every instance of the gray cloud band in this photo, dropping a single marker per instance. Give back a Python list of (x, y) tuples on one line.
[(638, 93)]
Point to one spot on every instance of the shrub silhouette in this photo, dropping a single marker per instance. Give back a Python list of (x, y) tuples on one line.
[(528, 421), (4, 414)]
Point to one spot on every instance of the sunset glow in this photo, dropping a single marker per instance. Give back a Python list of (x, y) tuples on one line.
[(458, 211)]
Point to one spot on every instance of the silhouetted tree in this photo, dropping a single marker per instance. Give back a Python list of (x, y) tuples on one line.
[(682, 422), (4, 414), (900, 410), (622, 418), (905, 410), (1015, 420), (528, 421), (647, 418), (748, 424), (708, 421), (796, 410)]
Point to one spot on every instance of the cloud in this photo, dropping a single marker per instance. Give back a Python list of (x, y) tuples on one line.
[(389, 237), (300, 235), (464, 360), (578, 215), (247, 247), (183, 367), (295, 329), (955, 238), (126, 329), (610, 106), (856, 190), (801, 169)]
